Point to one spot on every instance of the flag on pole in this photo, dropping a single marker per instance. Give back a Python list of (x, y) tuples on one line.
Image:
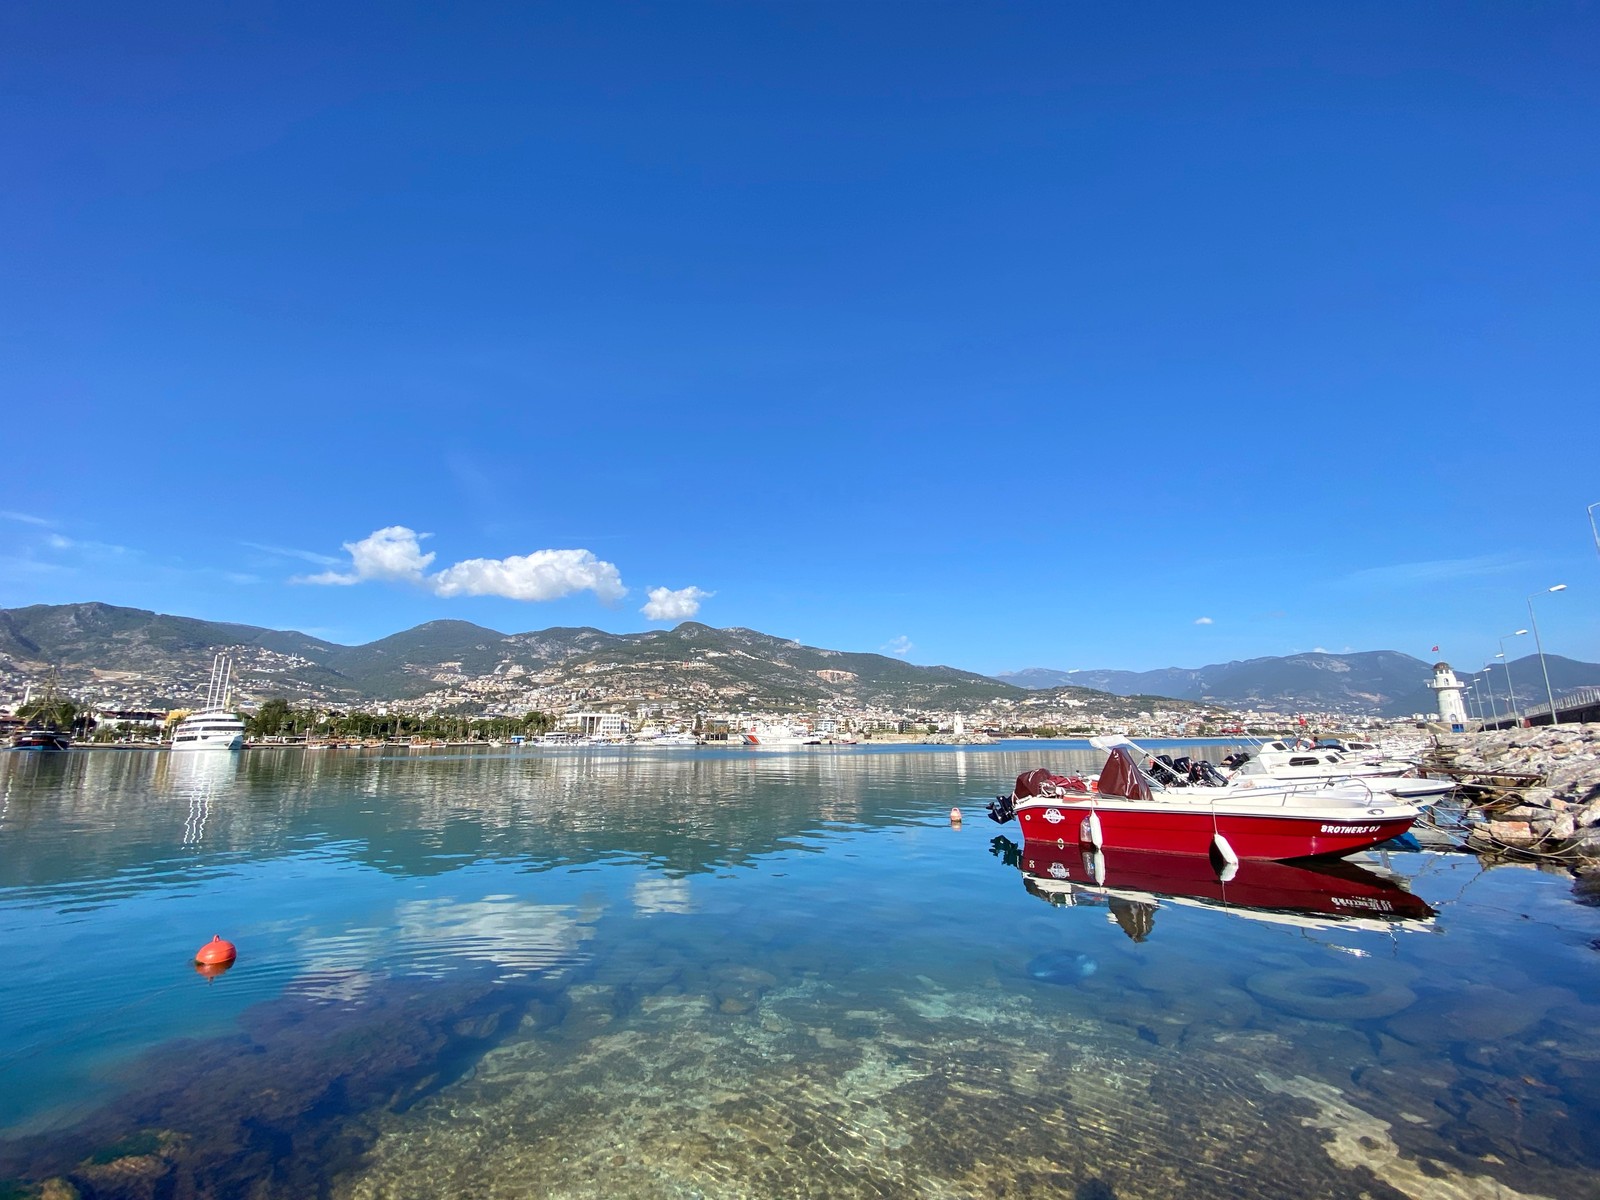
[(1436, 650)]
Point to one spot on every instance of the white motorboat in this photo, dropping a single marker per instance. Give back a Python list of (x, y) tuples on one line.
[(675, 739), (1287, 762), (213, 727), (770, 736)]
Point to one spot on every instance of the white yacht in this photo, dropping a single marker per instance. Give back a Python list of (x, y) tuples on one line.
[(212, 727)]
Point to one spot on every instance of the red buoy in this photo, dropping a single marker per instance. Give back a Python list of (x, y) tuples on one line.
[(215, 953)]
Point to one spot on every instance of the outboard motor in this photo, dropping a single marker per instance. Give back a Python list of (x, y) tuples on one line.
[(1002, 809), (1204, 774), (1163, 771)]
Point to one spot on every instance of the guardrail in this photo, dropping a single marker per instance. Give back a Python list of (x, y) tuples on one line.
[(1581, 697)]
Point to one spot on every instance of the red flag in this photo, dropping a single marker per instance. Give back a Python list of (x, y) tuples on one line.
[(1436, 650)]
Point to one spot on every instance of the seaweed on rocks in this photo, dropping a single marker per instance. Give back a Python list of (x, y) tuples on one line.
[(282, 1105)]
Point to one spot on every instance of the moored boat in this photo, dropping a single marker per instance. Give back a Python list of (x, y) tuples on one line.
[(1126, 808), (769, 736), (212, 727), (48, 741), (1283, 762)]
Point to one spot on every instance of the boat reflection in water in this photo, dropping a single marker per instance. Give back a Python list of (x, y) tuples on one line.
[(1132, 885)]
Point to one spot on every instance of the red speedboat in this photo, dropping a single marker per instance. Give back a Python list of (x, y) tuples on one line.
[(1127, 808)]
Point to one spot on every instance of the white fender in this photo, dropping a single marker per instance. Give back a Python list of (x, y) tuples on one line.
[(1229, 855), (1097, 867), (1089, 831)]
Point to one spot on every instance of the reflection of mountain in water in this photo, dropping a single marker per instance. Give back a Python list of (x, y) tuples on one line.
[(1133, 886), (418, 815)]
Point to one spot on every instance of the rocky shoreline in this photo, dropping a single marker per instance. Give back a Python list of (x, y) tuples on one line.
[(1538, 789)]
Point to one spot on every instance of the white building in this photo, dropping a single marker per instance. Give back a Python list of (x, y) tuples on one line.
[(602, 725)]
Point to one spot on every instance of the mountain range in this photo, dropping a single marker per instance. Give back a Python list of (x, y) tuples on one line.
[(131, 657), (165, 660), (1381, 682)]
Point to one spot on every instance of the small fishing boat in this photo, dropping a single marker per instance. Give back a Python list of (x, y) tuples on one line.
[(1129, 808)]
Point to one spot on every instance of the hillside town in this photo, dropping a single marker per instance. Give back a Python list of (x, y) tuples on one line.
[(611, 702)]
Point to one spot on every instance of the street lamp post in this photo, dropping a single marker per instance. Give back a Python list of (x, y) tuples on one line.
[(1494, 708), (1592, 529), (1511, 695), (1534, 621)]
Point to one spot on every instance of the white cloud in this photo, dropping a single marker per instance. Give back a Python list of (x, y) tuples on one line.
[(394, 554), (1204, 621), (322, 560), (542, 575), (391, 553), (103, 549), (1423, 574), (898, 646), (23, 518), (668, 605)]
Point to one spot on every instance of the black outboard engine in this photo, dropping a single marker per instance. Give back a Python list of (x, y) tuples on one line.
[(1002, 809), (1204, 774), (1164, 771)]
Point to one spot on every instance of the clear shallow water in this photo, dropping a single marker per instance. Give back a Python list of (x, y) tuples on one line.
[(719, 973)]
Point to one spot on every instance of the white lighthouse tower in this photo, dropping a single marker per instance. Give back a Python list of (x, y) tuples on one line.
[(1452, 708)]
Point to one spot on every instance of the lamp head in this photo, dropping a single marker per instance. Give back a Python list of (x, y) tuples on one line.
[(1560, 587), (1519, 633)]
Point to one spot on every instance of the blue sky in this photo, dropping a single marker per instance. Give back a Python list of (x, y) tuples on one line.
[(994, 335)]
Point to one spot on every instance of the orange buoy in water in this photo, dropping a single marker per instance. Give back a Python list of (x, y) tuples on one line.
[(955, 816), (216, 953)]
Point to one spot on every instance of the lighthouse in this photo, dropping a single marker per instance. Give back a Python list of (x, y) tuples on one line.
[(1452, 708)]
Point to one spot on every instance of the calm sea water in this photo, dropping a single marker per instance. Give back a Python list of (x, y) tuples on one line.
[(725, 973)]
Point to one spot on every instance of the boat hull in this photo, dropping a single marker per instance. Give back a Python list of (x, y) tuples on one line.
[(211, 742), (1163, 829), (46, 742)]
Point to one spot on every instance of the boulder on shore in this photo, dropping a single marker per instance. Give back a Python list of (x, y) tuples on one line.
[(1558, 815)]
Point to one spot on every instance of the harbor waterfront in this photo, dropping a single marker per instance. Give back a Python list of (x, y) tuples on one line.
[(701, 972)]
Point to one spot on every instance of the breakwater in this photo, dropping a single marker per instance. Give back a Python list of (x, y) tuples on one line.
[(1536, 790)]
